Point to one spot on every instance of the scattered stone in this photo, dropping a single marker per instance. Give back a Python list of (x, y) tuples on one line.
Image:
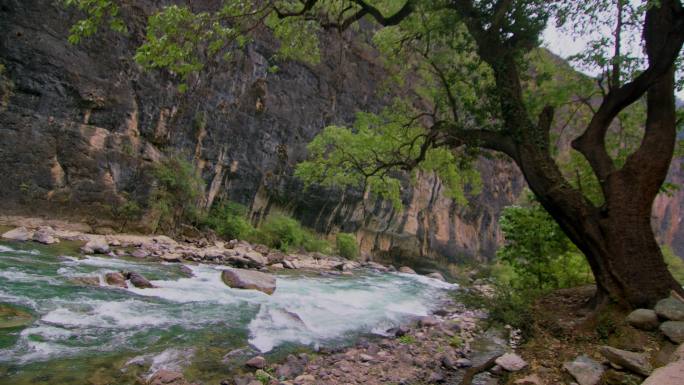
[(635, 362), (171, 258), (398, 331), (138, 280), (674, 330), (167, 377), (436, 377), (140, 253), (436, 275), (116, 279), (96, 245), (532, 379), (428, 321), (670, 309), (644, 319), (511, 362), (406, 270), (672, 374), (289, 264), (257, 362), (585, 370), (45, 235), (305, 379), (12, 317), (616, 377), (85, 281), (18, 234), (248, 279), (463, 363)]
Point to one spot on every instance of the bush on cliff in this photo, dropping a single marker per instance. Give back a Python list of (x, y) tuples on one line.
[(177, 190), (346, 246), (285, 233), (229, 220)]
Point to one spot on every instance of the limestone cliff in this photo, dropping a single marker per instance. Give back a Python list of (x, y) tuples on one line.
[(81, 125)]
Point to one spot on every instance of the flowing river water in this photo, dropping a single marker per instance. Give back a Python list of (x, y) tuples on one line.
[(102, 335)]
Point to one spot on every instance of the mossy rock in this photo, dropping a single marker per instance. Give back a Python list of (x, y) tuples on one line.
[(13, 317)]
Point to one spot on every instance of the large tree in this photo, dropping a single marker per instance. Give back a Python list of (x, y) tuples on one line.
[(473, 86)]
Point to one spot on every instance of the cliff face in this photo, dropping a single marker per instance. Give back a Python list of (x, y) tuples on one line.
[(81, 125)]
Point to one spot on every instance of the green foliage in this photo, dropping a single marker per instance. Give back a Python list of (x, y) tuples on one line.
[(98, 13), (229, 220), (370, 155), (541, 255), (674, 263), (507, 306), (456, 341), (346, 245), (176, 193), (286, 233), (127, 211), (407, 339)]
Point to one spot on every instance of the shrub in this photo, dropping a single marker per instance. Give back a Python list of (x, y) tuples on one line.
[(229, 220), (286, 233), (540, 254), (176, 193), (346, 246), (125, 212)]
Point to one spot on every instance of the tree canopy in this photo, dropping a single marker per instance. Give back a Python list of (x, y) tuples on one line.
[(479, 81)]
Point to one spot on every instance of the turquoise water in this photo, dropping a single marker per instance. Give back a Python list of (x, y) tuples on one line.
[(86, 335)]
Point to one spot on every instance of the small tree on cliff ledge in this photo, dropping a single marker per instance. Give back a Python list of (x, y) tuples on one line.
[(470, 73)]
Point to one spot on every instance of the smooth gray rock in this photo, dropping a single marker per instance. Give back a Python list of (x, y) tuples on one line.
[(257, 362), (18, 234), (248, 279), (45, 236), (96, 245), (674, 330), (671, 309), (407, 270), (585, 370), (672, 374), (634, 362), (644, 319), (138, 280), (511, 362)]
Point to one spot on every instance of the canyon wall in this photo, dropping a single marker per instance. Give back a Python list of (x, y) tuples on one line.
[(80, 127)]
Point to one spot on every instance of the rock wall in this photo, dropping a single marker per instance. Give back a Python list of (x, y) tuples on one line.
[(81, 125)]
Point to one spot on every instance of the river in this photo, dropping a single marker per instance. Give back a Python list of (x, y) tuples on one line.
[(100, 335)]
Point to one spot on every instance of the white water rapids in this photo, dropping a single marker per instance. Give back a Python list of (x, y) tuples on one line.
[(72, 320)]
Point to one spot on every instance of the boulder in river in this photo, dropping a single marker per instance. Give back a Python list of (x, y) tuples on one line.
[(12, 317), (249, 279), (85, 281), (18, 234), (644, 319), (45, 235), (116, 279), (671, 309), (407, 270), (138, 280), (634, 362), (97, 245)]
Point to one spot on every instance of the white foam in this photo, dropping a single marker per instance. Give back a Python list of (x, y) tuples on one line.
[(108, 314)]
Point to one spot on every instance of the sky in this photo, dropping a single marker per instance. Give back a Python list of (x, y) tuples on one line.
[(564, 45)]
